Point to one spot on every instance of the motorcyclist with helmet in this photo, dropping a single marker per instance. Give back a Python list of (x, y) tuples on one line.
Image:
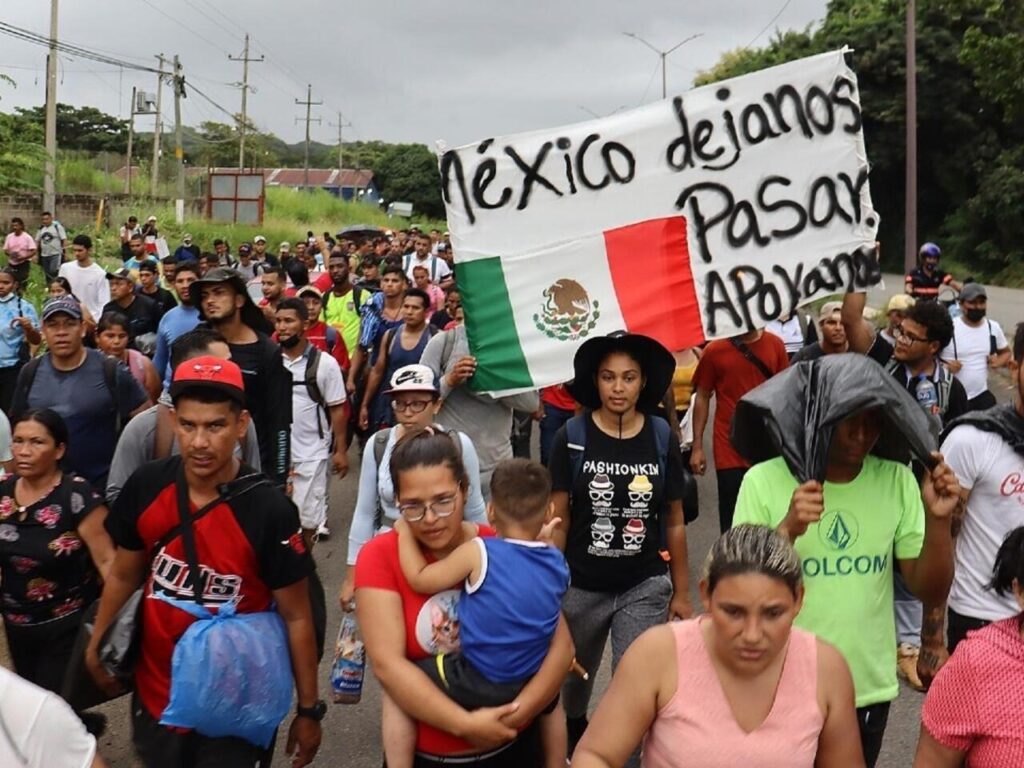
[(924, 282)]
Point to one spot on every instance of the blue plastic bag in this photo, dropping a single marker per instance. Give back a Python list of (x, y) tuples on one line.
[(231, 674)]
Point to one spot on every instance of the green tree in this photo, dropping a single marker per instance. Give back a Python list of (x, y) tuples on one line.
[(22, 156), (83, 128), (970, 85), (408, 173)]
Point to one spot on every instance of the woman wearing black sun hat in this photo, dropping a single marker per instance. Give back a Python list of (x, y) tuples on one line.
[(617, 486)]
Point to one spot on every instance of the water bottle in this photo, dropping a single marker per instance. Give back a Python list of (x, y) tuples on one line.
[(927, 395), (349, 663)]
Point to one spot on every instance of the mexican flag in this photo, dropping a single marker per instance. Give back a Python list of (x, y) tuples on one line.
[(519, 309), (697, 217)]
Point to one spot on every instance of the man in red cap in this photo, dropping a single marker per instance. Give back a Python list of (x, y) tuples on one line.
[(248, 549)]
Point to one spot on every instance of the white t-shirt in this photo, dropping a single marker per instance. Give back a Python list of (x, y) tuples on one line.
[(437, 268), (38, 729), (89, 284), (994, 474), (972, 346), (307, 445)]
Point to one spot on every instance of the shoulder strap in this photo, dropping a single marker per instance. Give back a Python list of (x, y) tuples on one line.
[(331, 338), (110, 377), (744, 350), (457, 439), (380, 443), (943, 390), (357, 297), (388, 342), (433, 269), (406, 261), (28, 374), (228, 491), (576, 442), (661, 442), (992, 349)]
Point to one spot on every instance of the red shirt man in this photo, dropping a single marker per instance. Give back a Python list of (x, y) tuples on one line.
[(728, 369)]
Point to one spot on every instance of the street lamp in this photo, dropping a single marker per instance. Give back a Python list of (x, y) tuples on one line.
[(663, 54)]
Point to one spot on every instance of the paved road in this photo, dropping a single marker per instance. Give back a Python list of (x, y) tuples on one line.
[(351, 733), (1005, 305)]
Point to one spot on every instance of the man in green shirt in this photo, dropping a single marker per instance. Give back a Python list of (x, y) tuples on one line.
[(848, 531)]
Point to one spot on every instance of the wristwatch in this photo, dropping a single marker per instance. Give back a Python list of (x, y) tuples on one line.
[(316, 712)]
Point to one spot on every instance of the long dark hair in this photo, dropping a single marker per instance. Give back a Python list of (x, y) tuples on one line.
[(1009, 563)]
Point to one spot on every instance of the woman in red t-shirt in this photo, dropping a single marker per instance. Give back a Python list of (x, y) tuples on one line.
[(401, 626)]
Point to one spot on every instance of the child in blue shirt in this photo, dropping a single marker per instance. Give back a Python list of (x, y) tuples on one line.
[(508, 609)]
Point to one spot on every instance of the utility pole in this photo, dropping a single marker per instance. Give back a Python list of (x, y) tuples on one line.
[(179, 153), (131, 135), (154, 176), (340, 125), (309, 105), (244, 58), (663, 55), (910, 201), (50, 173)]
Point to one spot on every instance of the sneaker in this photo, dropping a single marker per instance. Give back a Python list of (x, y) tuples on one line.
[(323, 532), (906, 665)]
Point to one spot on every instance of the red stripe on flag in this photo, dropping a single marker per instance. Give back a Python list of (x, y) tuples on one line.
[(650, 268)]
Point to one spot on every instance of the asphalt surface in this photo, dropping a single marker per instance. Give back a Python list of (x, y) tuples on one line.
[(352, 732)]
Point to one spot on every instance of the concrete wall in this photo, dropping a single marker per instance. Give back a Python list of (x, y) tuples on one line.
[(79, 211)]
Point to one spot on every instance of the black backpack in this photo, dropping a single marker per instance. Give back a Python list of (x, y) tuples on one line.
[(312, 355), (27, 377)]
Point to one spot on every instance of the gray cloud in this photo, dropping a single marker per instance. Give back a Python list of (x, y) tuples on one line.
[(401, 71)]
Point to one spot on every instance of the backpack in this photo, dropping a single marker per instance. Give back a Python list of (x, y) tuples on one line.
[(357, 300), (942, 388), (312, 355), (992, 346), (407, 263), (331, 338), (380, 444), (28, 374), (576, 442)]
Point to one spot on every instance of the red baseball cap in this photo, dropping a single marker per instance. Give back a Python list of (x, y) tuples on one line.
[(212, 372)]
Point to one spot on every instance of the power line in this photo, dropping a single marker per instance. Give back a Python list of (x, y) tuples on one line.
[(775, 18), (212, 20), (183, 25), (69, 48)]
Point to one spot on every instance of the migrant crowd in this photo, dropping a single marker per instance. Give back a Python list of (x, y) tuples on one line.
[(169, 433)]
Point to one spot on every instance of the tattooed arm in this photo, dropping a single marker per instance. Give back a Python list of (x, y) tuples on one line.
[(934, 652)]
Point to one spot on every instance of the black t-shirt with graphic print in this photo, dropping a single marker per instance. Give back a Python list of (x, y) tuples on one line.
[(45, 567), (616, 506)]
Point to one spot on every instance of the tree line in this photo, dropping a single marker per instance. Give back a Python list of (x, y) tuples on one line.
[(970, 111), (406, 172)]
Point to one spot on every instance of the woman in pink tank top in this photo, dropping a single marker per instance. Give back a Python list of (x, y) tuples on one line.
[(738, 686)]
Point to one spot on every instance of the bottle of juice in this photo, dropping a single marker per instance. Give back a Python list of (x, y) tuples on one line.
[(349, 663)]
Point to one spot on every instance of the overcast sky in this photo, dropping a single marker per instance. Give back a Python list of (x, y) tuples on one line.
[(416, 70)]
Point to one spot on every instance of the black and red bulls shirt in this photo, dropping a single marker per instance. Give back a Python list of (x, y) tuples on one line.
[(247, 547)]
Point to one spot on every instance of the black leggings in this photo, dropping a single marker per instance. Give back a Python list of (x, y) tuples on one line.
[(41, 653), (872, 720)]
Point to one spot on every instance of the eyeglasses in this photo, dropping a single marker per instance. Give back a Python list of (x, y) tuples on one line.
[(416, 406), (442, 507), (901, 334)]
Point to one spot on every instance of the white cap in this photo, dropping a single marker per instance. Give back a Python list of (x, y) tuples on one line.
[(413, 378), (259, 239)]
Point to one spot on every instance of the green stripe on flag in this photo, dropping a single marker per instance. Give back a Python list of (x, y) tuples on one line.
[(490, 326)]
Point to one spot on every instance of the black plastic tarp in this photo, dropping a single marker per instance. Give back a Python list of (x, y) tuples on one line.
[(794, 413)]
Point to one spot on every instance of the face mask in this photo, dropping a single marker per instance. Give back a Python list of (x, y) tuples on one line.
[(974, 315), (290, 342)]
